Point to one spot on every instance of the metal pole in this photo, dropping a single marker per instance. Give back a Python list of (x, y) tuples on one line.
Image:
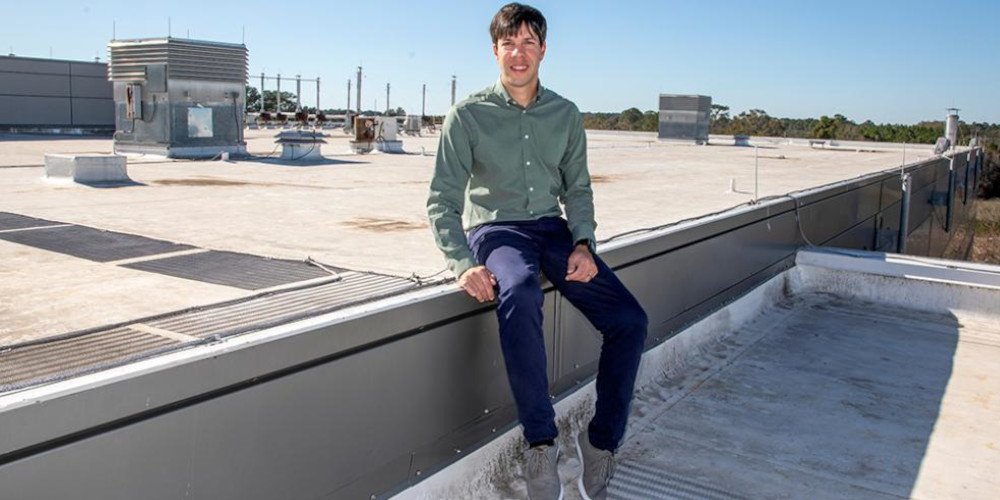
[(951, 193), (298, 92), (277, 108), (317, 96), (261, 91), (452, 90), (386, 98), (965, 180), (904, 215), (756, 171), (348, 109), (979, 169), (904, 159), (423, 104), (359, 90)]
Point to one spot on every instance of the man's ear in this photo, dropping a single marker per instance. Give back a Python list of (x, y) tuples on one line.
[(495, 53), (542, 55)]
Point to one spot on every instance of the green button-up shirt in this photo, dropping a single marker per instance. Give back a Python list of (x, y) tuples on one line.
[(498, 161)]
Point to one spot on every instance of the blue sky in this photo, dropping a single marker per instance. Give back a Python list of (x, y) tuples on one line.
[(888, 61)]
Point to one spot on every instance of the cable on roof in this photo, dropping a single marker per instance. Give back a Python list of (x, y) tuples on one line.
[(312, 262)]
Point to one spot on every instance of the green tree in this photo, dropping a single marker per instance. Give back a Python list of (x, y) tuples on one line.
[(287, 100), (650, 121), (630, 119), (253, 99), (757, 122), (826, 128), (720, 119)]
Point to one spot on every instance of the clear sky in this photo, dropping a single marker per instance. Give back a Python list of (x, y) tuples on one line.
[(884, 60)]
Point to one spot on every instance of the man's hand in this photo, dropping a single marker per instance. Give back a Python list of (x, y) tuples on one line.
[(478, 282), (581, 266)]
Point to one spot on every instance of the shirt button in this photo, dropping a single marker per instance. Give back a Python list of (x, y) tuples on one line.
[(527, 163), (531, 189), (525, 136)]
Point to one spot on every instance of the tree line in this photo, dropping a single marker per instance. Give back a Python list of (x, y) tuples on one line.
[(288, 104), (756, 122)]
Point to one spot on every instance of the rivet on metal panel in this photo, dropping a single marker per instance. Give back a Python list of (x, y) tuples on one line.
[(493, 430), (457, 450), (576, 365), (486, 411), (418, 473)]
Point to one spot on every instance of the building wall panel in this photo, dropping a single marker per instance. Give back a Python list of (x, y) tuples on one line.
[(34, 85), (92, 88), (54, 94), (32, 65), (34, 111), (93, 112), (94, 70)]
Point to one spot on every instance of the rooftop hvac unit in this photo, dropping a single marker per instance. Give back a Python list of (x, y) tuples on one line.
[(685, 117), (177, 97)]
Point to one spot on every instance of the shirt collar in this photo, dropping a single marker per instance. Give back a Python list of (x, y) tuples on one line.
[(501, 92)]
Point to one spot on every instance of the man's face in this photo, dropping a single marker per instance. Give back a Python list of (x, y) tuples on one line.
[(519, 57)]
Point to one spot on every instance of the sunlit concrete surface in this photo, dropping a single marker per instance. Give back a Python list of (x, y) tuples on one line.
[(358, 212), (849, 376)]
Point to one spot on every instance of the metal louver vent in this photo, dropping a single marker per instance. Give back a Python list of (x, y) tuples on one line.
[(670, 102), (184, 59)]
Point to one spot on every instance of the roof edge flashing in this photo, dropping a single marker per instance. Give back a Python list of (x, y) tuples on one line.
[(968, 290)]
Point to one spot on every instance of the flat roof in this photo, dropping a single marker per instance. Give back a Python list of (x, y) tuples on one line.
[(350, 212), (852, 375)]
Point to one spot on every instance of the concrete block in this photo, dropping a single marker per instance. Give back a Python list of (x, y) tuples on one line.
[(303, 152), (390, 146), (87, 168)]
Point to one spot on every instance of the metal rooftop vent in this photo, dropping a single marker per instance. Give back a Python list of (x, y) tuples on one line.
[(184, 59), (685, 117), (178, 97)]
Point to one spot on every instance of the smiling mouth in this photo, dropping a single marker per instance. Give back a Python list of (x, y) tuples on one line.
[(519, 68)]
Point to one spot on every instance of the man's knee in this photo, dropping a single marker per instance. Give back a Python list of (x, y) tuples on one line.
[(521, 288), (634, 321)]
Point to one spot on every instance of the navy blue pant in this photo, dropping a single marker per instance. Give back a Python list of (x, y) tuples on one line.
[(515, 252)]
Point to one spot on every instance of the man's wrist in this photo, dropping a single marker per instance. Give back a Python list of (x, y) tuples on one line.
[(584, 242)]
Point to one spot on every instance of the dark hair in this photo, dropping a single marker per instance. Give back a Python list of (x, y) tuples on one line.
[(509, 19)]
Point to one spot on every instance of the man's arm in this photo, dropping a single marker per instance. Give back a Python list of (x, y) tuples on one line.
[(578, 197), (446, 201)]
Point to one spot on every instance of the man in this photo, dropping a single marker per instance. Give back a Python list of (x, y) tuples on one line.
[(508, 156)]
